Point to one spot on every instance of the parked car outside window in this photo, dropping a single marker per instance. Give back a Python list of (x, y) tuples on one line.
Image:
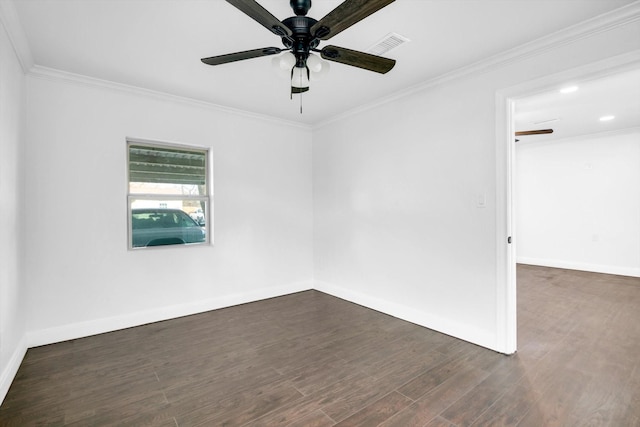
[(157, 227), (198, 216)]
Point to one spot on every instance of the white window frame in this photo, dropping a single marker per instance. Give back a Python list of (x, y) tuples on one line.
[(207, 198)]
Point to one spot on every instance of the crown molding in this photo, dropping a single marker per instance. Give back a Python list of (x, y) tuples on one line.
[(16, 34), (17, 37), (52, 74), (599, 24), (602, 23)]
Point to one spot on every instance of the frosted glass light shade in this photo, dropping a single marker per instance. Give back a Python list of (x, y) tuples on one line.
[(282, 64), (320, 74), (314, 63), (300, 78)]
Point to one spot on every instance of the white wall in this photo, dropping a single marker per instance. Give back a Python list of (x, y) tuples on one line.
[(396, 188), (578, 203), (389, 215), (12, 296), (81, 279)]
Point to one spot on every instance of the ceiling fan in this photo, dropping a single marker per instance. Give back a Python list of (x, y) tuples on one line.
[(533, 132), (301, 35)]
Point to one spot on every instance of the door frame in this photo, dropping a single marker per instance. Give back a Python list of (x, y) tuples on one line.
[(506, 294)]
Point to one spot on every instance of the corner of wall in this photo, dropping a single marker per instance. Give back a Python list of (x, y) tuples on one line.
[(11, 369), (77, 330), (11, 22), (15, 59), (465, 332)]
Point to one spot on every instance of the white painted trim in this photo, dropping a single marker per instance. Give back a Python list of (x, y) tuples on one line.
[(583, 266), (10, 371), (463, 331), (506, 299), (52, 74), (109, 324), (605, 22), (16, 34), (505, 261)]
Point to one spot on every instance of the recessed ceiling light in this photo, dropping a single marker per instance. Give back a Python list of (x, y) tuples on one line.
[(607, 118), (569, 89)]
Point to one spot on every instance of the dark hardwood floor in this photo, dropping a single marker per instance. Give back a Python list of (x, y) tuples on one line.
[(309, 359)]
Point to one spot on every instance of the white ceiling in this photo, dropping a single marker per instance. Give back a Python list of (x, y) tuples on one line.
[(158, 44), (579, 112)]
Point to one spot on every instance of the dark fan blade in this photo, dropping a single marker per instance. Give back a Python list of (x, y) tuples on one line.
[(239, 56), (345, 15), (358, 59), (262, 16), (534, 132)]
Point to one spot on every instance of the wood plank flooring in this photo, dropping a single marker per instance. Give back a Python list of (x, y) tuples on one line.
[(309, 359)]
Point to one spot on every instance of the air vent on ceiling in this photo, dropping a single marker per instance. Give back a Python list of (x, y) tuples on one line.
[(390, 41)]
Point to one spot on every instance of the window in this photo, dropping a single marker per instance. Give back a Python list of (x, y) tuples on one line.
[(168, 198)]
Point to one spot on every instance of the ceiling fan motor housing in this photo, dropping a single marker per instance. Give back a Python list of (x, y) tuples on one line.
[(300, 7), (301, 42)]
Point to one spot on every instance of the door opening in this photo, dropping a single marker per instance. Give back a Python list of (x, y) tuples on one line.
[(506, 233)]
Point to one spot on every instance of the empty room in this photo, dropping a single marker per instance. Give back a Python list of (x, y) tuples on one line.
[(275, 213)]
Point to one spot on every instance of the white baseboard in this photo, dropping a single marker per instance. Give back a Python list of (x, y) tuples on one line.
[(9, 372), (98, 326), (40, 337), (465, 332), (571, 265)]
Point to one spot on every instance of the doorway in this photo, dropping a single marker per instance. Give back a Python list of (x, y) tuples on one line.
[(577, 189), (506, 101)]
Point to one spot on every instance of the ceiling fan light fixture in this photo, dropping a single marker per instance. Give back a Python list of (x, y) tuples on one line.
[(324, 70), (301, 34), (314, 63), (318, 68), (300, 77), (282, 64)]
